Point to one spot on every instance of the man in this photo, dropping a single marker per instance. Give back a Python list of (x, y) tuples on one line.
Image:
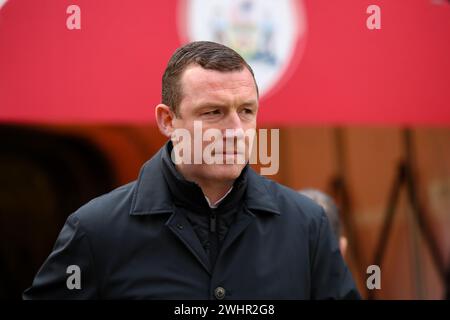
[(332, 212), (195, 230)]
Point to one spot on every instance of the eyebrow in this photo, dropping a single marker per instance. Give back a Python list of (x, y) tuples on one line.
[(220, 105), (249, 103)]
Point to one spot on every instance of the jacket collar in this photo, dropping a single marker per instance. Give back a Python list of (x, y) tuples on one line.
[(152, 194)]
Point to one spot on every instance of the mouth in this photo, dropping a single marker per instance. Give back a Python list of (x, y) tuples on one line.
[(225, 153), (232, 154)]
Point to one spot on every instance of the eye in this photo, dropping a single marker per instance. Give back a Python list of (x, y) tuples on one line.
[(247, 111), (211, 113)]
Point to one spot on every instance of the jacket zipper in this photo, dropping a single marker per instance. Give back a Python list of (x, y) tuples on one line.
[(212, 221)]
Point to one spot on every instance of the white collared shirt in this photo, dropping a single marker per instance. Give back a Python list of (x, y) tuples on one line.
[(213, 206)]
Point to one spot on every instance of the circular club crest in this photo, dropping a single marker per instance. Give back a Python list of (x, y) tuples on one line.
[(269, 34), (2, 2)]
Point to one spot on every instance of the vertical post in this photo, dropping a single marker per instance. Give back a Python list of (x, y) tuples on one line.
[(340, 189)]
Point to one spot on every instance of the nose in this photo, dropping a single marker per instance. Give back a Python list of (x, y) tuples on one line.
[(233, 121), (233, 132)]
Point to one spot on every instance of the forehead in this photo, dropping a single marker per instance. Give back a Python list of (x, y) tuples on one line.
[(200, 84)]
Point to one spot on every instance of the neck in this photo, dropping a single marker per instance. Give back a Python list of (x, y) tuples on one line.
[(213, 189)]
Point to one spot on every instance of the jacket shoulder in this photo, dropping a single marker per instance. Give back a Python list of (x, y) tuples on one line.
[(292, 203), (107, 207)]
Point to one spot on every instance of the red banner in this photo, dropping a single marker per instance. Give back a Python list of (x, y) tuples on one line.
[(317, 61)]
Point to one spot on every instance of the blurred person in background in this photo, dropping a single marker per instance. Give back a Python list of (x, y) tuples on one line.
[(332, 212)]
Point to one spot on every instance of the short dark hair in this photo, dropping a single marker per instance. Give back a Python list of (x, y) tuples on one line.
[(208, 55)]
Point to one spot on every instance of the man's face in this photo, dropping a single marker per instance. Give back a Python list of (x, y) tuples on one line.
[(220, 100)]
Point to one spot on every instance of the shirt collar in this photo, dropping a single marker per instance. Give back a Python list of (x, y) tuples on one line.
[(214, 205)]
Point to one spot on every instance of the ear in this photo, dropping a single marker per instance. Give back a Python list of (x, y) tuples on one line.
[(343, 245), (164, 118)]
